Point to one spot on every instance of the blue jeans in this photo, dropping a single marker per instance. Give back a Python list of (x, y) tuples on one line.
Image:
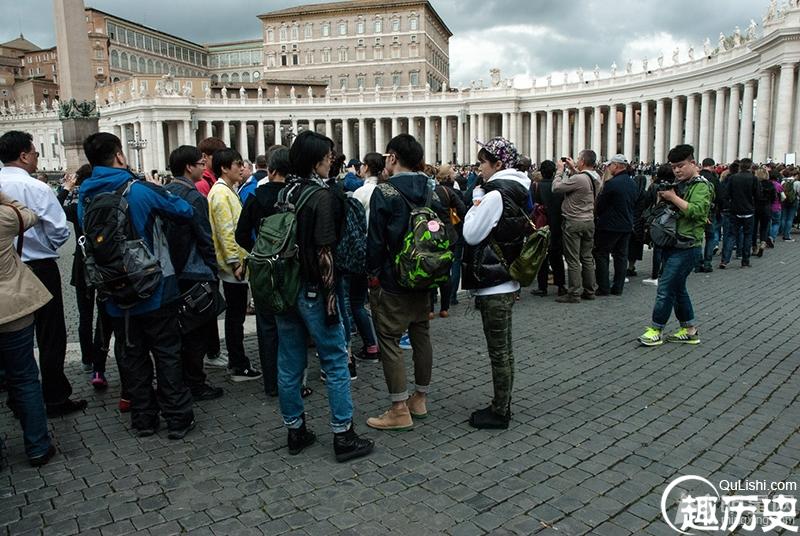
[(712, 240), (787, 219), (24, 389), (776, 224), (358, 311), (267, 333), (343, 300), (672, 293), (740, 231), (294, 327)]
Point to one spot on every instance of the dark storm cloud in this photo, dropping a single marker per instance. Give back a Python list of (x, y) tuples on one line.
[(518, 36)]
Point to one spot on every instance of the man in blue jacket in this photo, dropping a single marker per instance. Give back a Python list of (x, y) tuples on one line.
[(614, 225), (152, 325)]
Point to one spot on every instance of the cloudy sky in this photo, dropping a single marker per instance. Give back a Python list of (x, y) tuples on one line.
[(524, 38)]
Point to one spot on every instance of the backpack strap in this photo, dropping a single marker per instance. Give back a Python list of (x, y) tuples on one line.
[(428, 197)]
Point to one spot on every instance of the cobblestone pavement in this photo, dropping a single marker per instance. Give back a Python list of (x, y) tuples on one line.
[(600, 427)]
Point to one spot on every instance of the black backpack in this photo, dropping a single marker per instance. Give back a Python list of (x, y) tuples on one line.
[(118, 263), (350, 255)]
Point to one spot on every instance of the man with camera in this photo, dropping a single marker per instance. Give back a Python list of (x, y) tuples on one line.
[(691, 198), (578, 181)]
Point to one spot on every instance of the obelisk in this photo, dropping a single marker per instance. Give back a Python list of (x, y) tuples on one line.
[(75, 78)]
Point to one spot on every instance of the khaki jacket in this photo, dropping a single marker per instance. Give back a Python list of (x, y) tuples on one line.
[(21, 292)]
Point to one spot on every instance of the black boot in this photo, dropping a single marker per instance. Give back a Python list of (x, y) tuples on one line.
[(347, 445), (487, 419), (300, 438)]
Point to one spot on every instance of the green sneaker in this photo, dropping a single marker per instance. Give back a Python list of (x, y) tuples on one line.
[(652, 337), (682, 335)]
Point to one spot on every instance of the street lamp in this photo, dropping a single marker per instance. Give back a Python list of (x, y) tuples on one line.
[(288, 131), (137, 144)]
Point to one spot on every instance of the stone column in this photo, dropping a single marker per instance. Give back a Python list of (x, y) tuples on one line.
[(761, 140), (395, 131), (548, 136), (703, 150), (565, 138), (658, 149), (784, 105), (514, 129), (347, 140), (505, 131), (691, 121), (362, 138), (645, 139), (430, 148), (209, 129), (243, 146), (718, 151), (597, 133), (746, 131), (123, 140), (380, 136), (329, 128), (611, 146), (260, 143), (534, 139), (732, 129), (481, 131), (558, 135), (445, 145), (580, 145), (460, 159), (676, 123), (628, 134), (471, 150), (226, 133), (186, 135), (160, 162)]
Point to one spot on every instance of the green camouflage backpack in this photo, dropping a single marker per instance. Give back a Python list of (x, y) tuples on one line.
[(426, 253), (274, 263)]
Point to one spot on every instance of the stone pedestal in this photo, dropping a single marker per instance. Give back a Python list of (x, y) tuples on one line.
[(74, 132)]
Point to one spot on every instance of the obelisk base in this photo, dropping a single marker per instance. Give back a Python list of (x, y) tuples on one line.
[(74, 132)]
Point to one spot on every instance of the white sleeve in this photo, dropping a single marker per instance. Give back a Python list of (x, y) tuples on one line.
[(481, 219), (52, 219)]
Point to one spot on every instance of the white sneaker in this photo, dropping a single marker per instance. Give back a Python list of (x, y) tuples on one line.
[(627, 280), (649, 281), (217, 361)]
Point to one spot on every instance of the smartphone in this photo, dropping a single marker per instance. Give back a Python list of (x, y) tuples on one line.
[(563, 158)]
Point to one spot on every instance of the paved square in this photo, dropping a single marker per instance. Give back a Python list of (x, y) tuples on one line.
[(600, 427)]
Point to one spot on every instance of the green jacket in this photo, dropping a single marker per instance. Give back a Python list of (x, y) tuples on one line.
[(691, 223)]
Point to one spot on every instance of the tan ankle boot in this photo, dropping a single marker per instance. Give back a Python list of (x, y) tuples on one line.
[(392, 419), (416, 406)]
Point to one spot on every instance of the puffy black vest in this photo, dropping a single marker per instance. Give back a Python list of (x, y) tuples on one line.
[(481, 266)]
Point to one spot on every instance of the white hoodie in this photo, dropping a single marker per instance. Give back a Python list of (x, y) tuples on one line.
[(481, 219)]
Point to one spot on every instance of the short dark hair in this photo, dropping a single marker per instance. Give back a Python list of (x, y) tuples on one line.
[(279, 161), (679, 153), (83, 173), (486, 156), (746, 165), (548, 169), (375, 163), (101, 148), (523, 164), (589, 157), (224, 158), (181, 157), (209, 146), (709, 162), (13, 143), (308, 150), (664, 173), (261, 161), (407, 149)]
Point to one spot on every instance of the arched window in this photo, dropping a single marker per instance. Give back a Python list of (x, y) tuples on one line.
[(413, 23), (123, 61), (283, 34), (235, 78), (378, 26), (214, 79), (224, 78), (115, 59), (246, 78), (150, 66), (142, 67)]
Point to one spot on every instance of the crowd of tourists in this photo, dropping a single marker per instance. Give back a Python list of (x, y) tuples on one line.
[(351, 258)]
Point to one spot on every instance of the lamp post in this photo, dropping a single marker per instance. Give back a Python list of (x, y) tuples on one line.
[(288, 131), (137, 144)]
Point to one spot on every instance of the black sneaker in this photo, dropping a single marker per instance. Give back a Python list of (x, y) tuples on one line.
[(180, 433), (347, 445), (244, 375), (300, 438), (368, 357), (352, 367), (207, 392), (487, 419), (38, 461), (148, 430), (66, 407)]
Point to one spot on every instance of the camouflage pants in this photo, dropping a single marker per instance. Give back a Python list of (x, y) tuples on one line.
[(496, 315)]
